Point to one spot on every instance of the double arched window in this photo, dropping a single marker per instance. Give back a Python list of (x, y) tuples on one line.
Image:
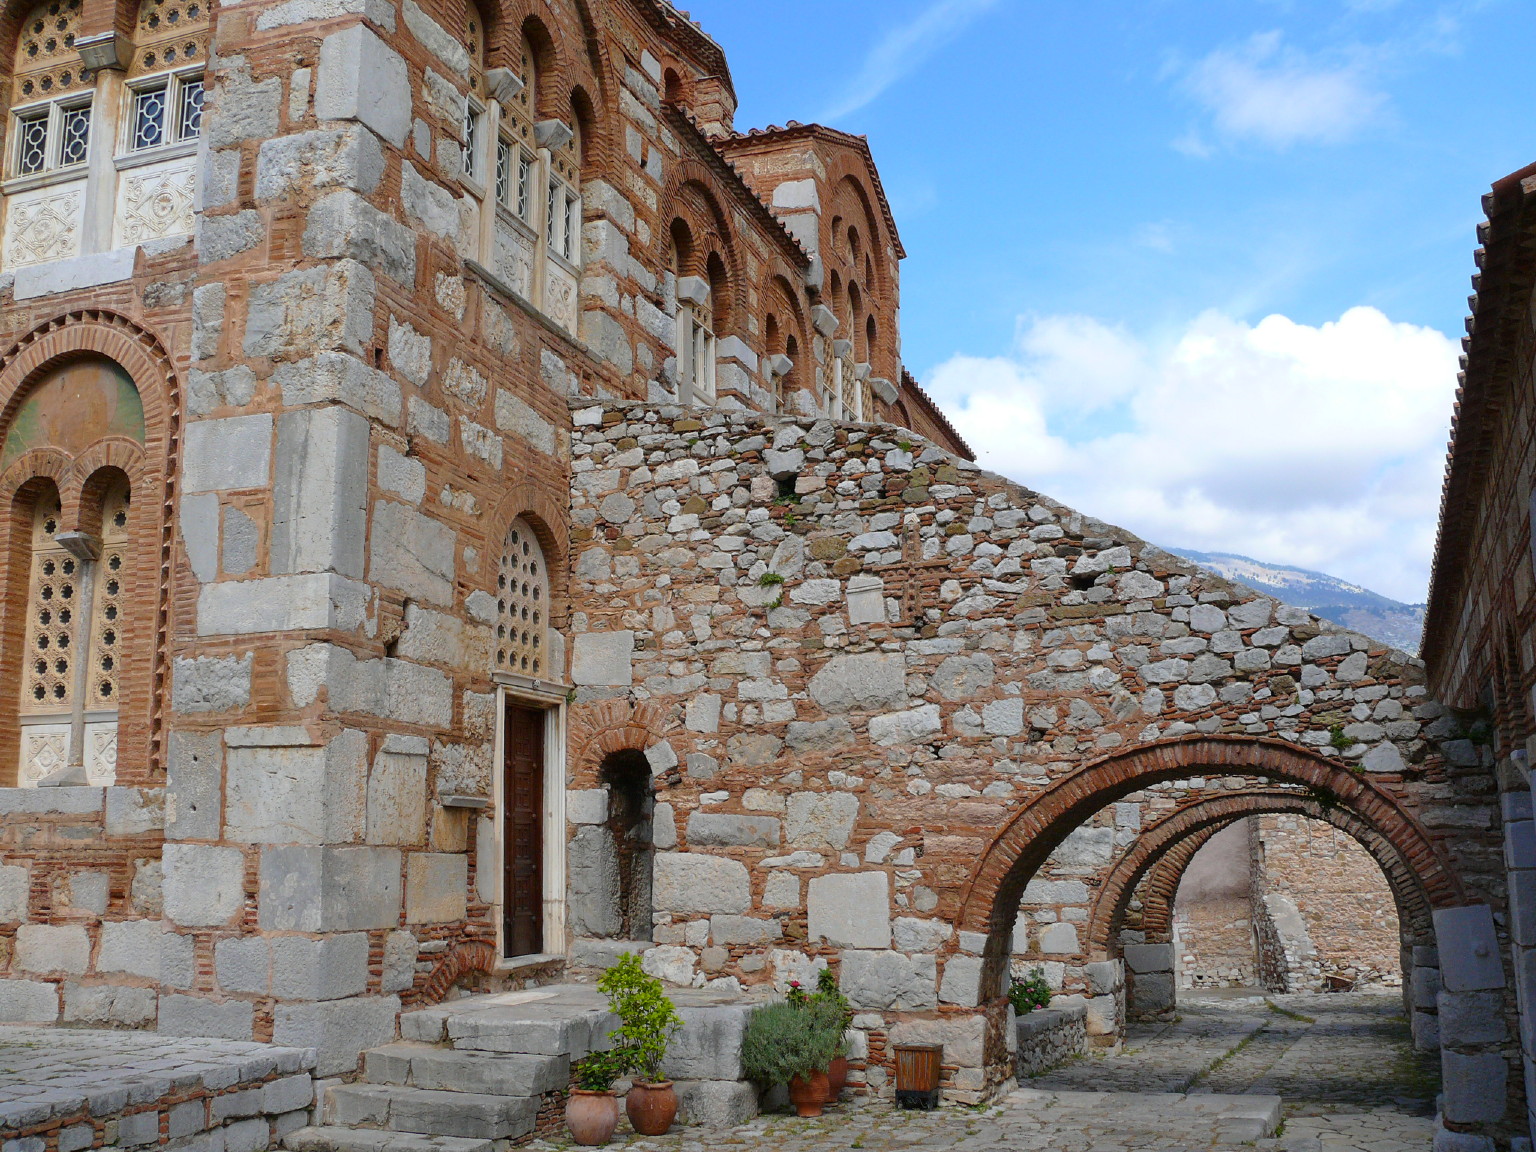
[(69, 572), (525, 173), (69, 685), (101, 149)]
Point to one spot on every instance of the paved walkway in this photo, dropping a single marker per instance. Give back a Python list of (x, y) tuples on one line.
[(1342, 1064)]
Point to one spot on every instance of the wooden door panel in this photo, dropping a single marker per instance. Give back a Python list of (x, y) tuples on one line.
[(523, 831)]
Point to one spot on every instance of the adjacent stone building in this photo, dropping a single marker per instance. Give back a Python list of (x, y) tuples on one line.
[(467, 516)]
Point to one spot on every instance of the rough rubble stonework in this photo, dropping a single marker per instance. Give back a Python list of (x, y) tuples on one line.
[(754, 581)]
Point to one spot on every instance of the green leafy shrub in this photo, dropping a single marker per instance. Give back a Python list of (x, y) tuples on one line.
[(1030, 993), (649, 1018), (769, 579), (831, 999), (783, 1040), (597, 1072)]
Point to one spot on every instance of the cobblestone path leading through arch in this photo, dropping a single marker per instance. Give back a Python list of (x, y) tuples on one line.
[(1342, 1064)]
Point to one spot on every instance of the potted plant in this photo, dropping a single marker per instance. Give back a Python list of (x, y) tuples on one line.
[(785, 1043), (830, 999), (592, 1112), (648, 1021)]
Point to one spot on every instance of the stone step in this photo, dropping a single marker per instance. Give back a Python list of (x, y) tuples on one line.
[(451, 1070), (373, 1140), (474, 1115)]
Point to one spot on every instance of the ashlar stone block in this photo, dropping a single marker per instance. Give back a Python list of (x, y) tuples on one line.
[(436, 887), (328, 889), (204, 885), (850, 910), (693, 882), (52, 948), (325, 969), (603, 659), (320, 492), (361, 78)]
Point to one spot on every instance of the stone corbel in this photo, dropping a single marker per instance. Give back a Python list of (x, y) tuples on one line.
[(884, 389), (779, 366), (104, 50), (504, 85), (823, 319), (692, 290), (841, 348), (861, 372), (815, 275), (553, 134), (80, 545)]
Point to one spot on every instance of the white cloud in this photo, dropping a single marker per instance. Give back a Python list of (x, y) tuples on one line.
[(1268, 92), (1316, 446), (903, 48)]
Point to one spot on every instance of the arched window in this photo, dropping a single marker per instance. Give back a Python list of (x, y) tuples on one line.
[(144, 112), (696, 344), (522, 602), (69, 686)]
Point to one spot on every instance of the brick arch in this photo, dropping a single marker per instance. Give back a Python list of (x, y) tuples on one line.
[(1160, 855), (989, 903), (599, 730), (549, 516), (475, 956), (690, 195), (150, 466)]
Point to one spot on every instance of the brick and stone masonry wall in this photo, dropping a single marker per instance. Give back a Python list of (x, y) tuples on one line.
[(1212, 929), (1342, 898), (80, 897), (827, 780)]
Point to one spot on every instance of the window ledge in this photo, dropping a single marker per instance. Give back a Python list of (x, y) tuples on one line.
[(505, 215), (156, 154), (42, 179)]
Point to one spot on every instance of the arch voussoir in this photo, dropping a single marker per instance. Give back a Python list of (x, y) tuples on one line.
[(990, 903)]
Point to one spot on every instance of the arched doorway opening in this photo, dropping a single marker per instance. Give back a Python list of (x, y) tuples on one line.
[(989, 905)]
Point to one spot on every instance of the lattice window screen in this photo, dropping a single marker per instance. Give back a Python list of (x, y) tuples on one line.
[(522, 592)]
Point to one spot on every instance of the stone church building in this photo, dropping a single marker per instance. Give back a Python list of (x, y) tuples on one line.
[(466, 516)]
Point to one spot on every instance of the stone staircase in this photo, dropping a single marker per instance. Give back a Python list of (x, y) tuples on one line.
[(479, 1073)]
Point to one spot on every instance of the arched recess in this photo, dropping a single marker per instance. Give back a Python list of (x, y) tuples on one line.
[(989, 903), (1162, 852), (689, 197), (82, 472), (545, 515), (612, 850)]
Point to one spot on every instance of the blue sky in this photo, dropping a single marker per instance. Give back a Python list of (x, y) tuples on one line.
[(1198, 268)]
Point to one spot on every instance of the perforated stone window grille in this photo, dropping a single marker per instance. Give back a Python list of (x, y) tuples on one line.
[(107, 602), (522, 602), (52, 607)]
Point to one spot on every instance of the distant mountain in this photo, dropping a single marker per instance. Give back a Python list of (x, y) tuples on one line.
[(1357, 608)]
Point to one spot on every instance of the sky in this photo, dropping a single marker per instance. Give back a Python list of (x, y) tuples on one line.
[(1198, 268)]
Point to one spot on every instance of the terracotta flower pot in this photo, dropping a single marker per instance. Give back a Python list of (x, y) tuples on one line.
[(837, 1077), (651, 1107), (591, 1116), (808, 1093)]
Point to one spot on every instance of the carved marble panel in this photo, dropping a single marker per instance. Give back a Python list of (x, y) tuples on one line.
[(44, 224), (154, 201), (560, 296), (44, 749), (512, 259), (101, 753)]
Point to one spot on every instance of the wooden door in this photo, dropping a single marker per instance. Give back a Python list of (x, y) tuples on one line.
[(523, 832)]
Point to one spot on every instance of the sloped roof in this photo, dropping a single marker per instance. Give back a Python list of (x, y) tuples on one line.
[(1507, 270)]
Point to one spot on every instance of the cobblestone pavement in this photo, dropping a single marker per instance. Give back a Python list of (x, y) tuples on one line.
[(1342, 1064)]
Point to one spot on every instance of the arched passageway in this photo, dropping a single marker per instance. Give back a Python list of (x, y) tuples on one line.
[(1151, 868), (989, 904)]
